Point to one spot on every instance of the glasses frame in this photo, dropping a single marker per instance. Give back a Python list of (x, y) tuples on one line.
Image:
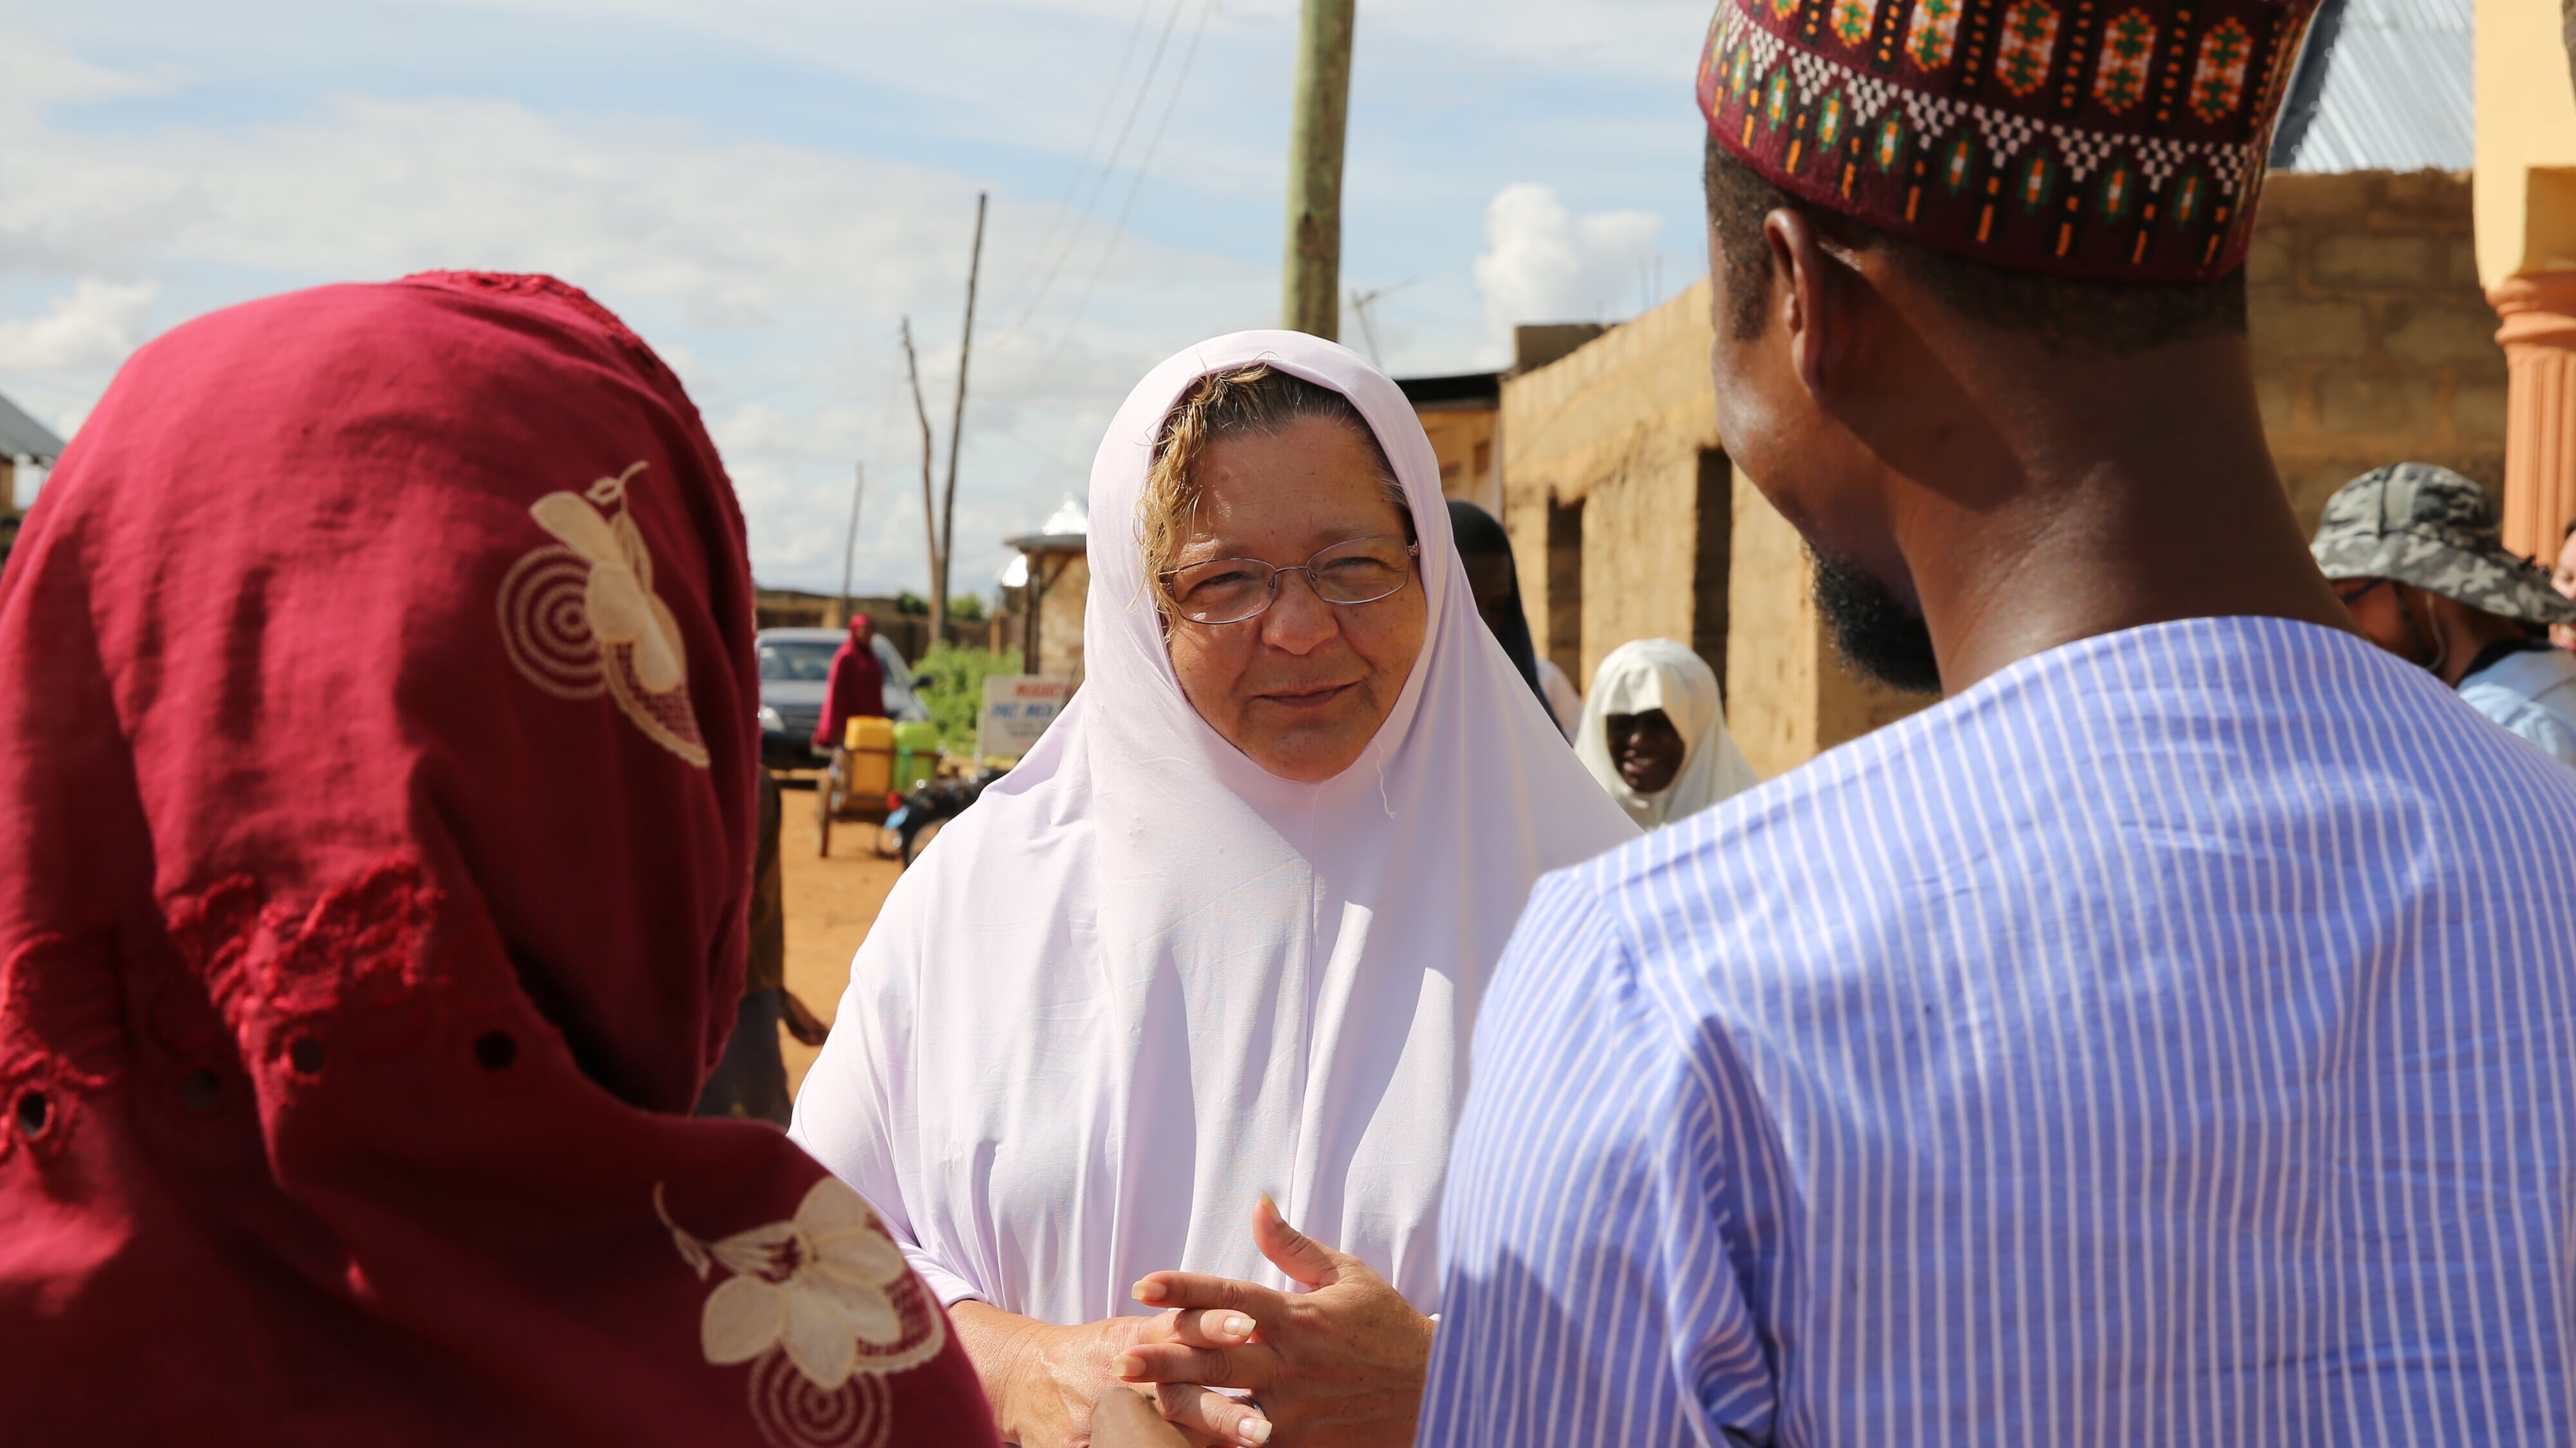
[(1412, 552), (2358, 594)]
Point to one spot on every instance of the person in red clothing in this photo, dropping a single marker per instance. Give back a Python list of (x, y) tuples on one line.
[(855, 689), (377, 761)]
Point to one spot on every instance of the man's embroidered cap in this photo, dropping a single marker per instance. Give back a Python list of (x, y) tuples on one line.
[(2119, 140)]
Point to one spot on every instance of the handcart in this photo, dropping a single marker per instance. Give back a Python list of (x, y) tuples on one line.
[(856, 786), (877, 764)]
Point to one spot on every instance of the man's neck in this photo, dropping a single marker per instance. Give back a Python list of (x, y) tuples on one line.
[(2139, 491)]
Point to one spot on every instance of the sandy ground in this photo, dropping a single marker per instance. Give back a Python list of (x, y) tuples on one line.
[(830, 904)]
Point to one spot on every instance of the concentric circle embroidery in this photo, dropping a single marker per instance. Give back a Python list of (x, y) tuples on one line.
[(580, 617), (793, 1413), (547, 627)]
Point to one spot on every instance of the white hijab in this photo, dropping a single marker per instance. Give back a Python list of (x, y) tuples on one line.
[(1144, 980), (1662, 674)]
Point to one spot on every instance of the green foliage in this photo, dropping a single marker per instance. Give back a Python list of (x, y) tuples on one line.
[(955, 693), (967, 608), (911, 604)]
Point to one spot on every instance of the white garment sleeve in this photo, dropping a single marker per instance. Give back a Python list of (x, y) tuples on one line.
[(844, 1120), (1563, 702)]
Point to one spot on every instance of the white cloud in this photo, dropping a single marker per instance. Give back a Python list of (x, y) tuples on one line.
[(1542, 263), (95, 326), (35, 75), (738, 220), (1609, 37), (771, 275)]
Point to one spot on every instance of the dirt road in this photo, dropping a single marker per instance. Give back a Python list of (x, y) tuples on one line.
[(830, 904)]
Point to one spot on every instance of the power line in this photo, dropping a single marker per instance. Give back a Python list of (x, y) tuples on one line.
[(1144, 92), (1091, 145), (1171, 103)]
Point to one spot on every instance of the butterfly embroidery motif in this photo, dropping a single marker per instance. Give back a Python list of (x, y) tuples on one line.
[(581, 617)]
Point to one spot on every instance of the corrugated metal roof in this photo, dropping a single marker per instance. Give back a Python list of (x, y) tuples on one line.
[(22, 436), (2383, 85)]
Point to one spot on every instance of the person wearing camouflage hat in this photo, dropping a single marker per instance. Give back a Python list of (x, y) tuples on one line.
[(2417, 556)]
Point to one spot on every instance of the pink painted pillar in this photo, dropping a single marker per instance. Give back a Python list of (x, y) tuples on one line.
[(2539, 340)]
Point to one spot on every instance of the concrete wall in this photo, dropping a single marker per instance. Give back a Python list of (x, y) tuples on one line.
[(1060, 614), (1462, 438), (2526, 140), (1616, 427), (1675, 543), (1789, 697), (2373, 342)]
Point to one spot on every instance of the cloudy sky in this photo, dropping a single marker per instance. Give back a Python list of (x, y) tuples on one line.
[(766, 188)]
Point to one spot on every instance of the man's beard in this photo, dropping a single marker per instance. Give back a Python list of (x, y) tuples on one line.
[(1874, 633)]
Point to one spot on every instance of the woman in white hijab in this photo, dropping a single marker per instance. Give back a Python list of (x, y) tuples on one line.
[(1221, 937), (1654, 734)]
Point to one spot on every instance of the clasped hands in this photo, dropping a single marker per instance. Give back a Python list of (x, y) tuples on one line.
[(1340, 1364)]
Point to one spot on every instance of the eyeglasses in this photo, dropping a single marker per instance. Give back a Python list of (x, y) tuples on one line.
[(1230, 590), (2358, 594)]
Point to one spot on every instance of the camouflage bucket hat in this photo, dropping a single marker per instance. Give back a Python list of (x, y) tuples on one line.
[(2430, 527)]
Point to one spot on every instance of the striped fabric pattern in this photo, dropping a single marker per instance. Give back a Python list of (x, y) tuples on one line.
[(2170, 1040)]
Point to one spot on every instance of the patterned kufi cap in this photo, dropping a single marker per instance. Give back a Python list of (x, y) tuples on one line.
[(2119, 140), (2430, 527)]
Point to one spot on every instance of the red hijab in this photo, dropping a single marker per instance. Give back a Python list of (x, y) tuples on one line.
[(855, 687), (376, 832)]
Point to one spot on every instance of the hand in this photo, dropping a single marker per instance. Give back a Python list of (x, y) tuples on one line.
[(1123, 1420), (1043, 1379), (808, 1028), (1342, 1364)]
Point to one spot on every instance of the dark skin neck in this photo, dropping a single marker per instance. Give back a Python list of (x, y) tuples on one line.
[(2022, 496), (2124, 516)]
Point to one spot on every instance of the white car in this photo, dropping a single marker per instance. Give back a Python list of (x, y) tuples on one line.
[(794, 665)]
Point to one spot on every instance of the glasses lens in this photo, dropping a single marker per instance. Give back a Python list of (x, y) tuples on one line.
[(1222, 591), (1362, 570)]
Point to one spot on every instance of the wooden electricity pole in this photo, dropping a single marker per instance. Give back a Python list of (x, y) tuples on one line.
[(956, 427), (929, 514), (850, 546), (1311, 297)]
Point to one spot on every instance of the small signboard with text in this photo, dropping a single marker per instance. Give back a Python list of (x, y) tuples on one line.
[(1017, 709)]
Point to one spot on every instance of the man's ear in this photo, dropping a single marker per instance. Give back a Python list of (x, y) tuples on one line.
[(1810, 286)]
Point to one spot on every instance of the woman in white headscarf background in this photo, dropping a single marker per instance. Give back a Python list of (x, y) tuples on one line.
[(1221, 937), (1654, 734)]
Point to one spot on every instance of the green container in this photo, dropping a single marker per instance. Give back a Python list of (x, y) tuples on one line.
[(916, 754)]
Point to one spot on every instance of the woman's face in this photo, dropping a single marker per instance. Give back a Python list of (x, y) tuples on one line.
[(1302, 688), (1647, 748), (1489, 577)]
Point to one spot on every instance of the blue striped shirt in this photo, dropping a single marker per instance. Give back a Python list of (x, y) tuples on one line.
[(2172, 1039)]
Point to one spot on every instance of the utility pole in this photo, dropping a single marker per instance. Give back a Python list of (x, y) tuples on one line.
[(1310, 300), (956, 427), (929, 515), (850, 548)]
